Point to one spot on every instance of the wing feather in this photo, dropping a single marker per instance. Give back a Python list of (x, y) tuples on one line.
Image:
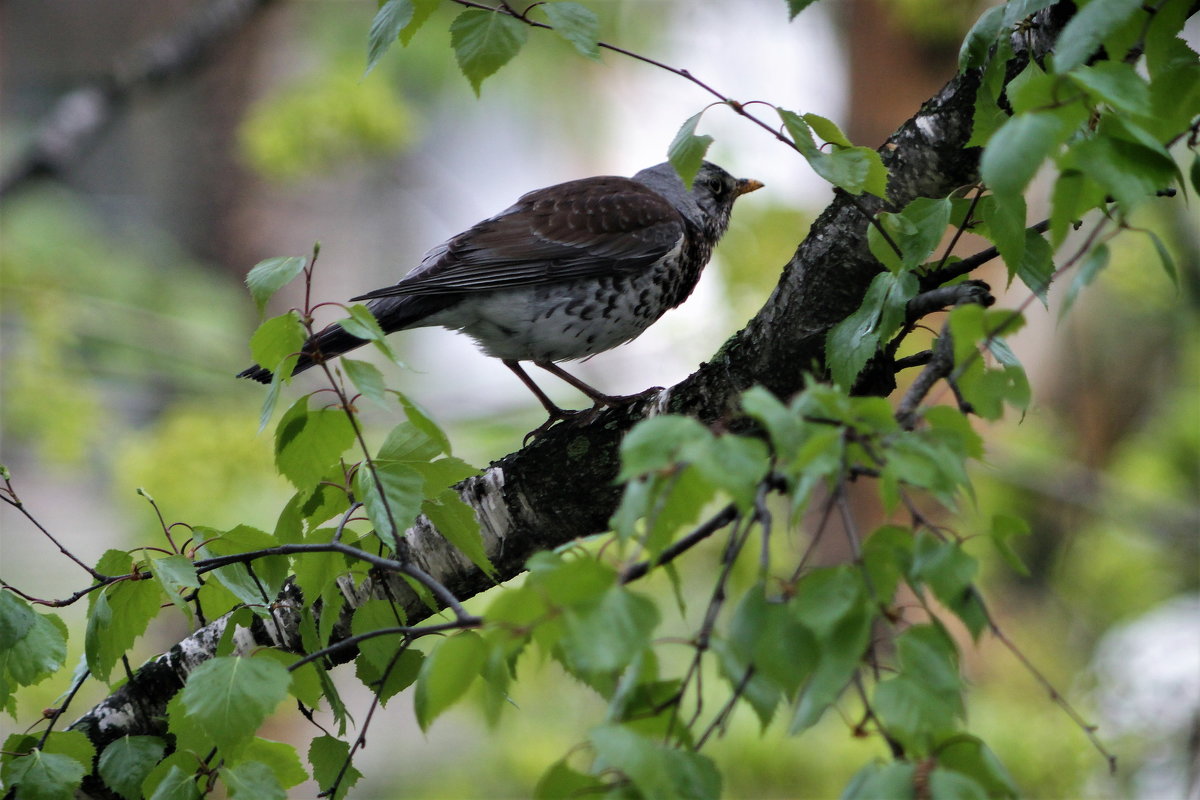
[(587, 228)]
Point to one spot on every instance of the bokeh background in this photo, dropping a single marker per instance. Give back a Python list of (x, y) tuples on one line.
[(123, 319)]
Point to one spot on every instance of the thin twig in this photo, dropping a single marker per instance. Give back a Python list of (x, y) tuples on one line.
[(411, 631), (1088, 729), (714, 523), (9, 495)]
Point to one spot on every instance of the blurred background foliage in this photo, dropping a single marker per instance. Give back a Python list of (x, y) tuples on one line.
[(123, 321)]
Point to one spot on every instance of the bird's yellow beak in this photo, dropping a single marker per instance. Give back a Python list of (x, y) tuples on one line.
[(746, 186)]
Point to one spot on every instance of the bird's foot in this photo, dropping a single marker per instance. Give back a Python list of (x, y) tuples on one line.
[(588, 415), (556, 416)]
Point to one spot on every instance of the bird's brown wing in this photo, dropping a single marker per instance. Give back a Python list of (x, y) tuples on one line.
[(586, 228)]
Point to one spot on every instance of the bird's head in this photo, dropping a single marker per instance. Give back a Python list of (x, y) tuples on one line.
[(710, 200)]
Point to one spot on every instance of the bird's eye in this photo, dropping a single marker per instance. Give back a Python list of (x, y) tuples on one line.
[(716, 185)]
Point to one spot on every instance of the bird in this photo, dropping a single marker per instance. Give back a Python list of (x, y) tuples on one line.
[(565, 272)]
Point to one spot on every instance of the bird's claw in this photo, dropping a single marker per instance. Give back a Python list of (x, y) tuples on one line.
[(581, 417)]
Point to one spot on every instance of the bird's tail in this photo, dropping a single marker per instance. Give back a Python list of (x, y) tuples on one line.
[(332, 341), (393, 314)]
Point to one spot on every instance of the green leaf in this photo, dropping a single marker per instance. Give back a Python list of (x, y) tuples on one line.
[(392, 493), (1074, 195), (782, 425), (656, 770), (423, 10), (309, 442), (1017, 149), (917, 230), (119, 615), (827, 129), (893, 781), (1004, 530), (271, 399), (911, 711), (854, 169), (827, 596), (327, 754), (657, 443), (392, 17), (951, 426), (417, 416), (16, 619), (1036, 267), (796, 6), (1033, 90), (1117, 84), (125, 763), (1082, 35), (231, 697), (971, 757), (852, 342), (607, 635), (362, 323), (387, 682), (988, 114), (177, 577), (276, 341), (1004, 216), (367, 379), (268, 277), (669, 503), (832, 604), (978, 42), (577, 24), (767, 636), (171, 781), (929, 654), (407, 442), (686, 151), (570, 581), (1164, 256), (456, 521), (887, 557), (269, 572), (925, 698), (947, 784), (800, 132), (43, 776), (449, 670), (37, 655), (252, 780), (73, 744), (443, 473), (484, 41), (1092, 265), (762, 694), (1130, 172), (560, 782), (948, 570), (305, 687), (736, 464)]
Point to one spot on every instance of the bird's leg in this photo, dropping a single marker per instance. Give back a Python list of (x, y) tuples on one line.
[(597, 397), (554, 411)]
